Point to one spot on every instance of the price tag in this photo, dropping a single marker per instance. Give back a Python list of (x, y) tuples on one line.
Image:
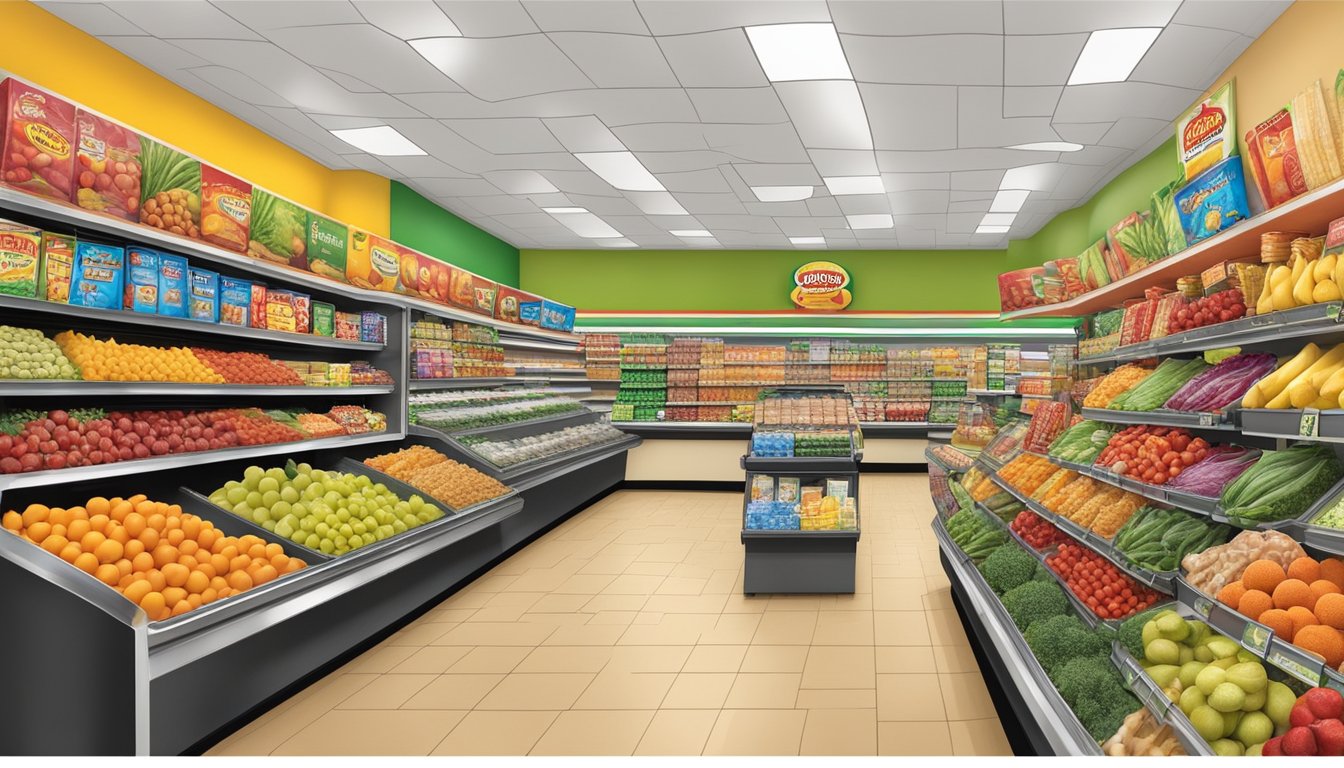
[(1309, 425), (1332, 312), (1130, 676), (1255, 638), (1294, 667), (1206, 419), (1203, 606)]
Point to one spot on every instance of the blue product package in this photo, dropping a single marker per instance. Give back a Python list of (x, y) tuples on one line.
[(1213, 201), (203, 295), (98, 276), (141, 280), (172, 285), (529, 313), (557, 317), (235, 301)]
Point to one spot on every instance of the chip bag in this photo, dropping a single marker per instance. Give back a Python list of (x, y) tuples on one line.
[(1206, 135)]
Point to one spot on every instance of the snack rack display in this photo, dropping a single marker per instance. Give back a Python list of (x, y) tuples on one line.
[(800, 510), (643, 385)]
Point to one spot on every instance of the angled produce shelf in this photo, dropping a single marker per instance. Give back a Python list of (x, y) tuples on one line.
[(50, 388), (1315, 321), (1220, 422), (429, 385), (555, 420), (1157, 702), (1190, 503)]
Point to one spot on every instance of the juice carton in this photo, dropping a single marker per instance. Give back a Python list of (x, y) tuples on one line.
[(98, 276), (173, 289), (235, 301), (203, 297), (141, 280)]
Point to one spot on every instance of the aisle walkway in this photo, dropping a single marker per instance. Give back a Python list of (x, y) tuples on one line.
[(625, 631)]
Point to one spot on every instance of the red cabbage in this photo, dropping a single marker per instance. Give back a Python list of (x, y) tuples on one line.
[(1223, 384), (1222, 465)]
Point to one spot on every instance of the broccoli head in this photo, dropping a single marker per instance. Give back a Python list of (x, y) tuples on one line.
[(1035, 600), (1060, 639), (1093, 688), (1007, 567)]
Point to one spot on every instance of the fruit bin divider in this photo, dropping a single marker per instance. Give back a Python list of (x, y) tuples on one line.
[(348, 464)]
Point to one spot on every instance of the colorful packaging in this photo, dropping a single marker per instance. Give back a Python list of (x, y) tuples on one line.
[(235, 301), (409, 281), (226, 209), (58, 265), (1207, 134), (141, 280), (170, 189), (557, 317), (1272, 155), (303, 311), (1017, 288), (203, 295), (20, 260), (432, 278), (372, 262), (810, 500), (347, 326), (98, 276), (38, 151), (1214, 201), (1063, 280), (1124, 247), (279, 230), (324, 319), (1166, 221), (837, 489), (108, 167), (461, 289), (508, 304), (256, 310), (372, 327), (328, 241), (174, 276), (280, 310), (787, 490), (762, 488), (1092, 265), (484, 292)]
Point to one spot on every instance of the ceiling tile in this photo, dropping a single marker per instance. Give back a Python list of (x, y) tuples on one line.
[(507, 136), (968, 206), (494, 205), (94, 18), (903, 182), (159, 55), (973, 180), (584, 134), (513, 220), (671, 162), (407, 19), (853, 204), (520, 182), (619, 16), (695, 181), (954, 160), (1112, 101), (1030, 100), (932, 60), (804, 226), (583, 182), (918, 201), (1251, 17), (1176, 56), (962, 195), (505, 67), (488, 18), (1134, 132), (718, 223), (385, 62), (633, 225), (355, 85), (669, 223), (625, 106), (843, 162), (1096, 155), (917, 238), (656, 203), (757, 143), (798, 208), (777, 175), (1045, 17), (677, 17), (243, 87), (419, 167), (918, 17), (890, 108), (617, 61), (823, 206), (737, 105), (662, 137), (604, 205), (1040, 59), (826, 113), (700, 202), (459, 188), (1037, 176), (1083, 133), (979, 121), (722, 59), (167, 19)]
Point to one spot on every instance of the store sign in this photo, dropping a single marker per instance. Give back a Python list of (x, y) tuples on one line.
[(821, 285)]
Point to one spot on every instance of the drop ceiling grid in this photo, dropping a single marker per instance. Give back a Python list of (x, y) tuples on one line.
[(945, 87)]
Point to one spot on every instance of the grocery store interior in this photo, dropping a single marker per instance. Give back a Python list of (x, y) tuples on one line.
[(672, 378)]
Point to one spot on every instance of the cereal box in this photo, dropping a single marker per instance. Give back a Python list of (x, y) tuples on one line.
[(173, 289), (141, 280), (1207, 134), (203, 295), (324, 319), (1272, 156), (328, 241), (58, 265), (226, 209), (98, 276), (279, 230), (235, 301), (347, 326), (372, 327), (787, 490), (1213, 201), (38, 141), (303, 311), (107, 176), (280, 310), (256, 311), (20, 259), (555, 316)]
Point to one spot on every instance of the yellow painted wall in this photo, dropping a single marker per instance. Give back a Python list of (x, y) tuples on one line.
[(47, 51)]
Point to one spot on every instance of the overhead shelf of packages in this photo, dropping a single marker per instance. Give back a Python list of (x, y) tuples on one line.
[(1318, 322), (1049, 723), (472, 382), (992, 392), (53, 388), (1310, 212), (509, 342), (1220, 422)]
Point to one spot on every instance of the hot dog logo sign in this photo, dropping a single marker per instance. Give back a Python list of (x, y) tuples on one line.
[(821, 285)]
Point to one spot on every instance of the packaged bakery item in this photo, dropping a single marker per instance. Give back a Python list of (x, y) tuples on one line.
[(762, 488), (508, 304), (256, 311), (98, 276), (787, 490), (141, 280), (1272, 156), (58, 265), (173, 289), (1213, 201), (1317, 135), (1207, 134), (203, 295), (303, 311), (235, 301), (347, 326), (20, 259), (462, 288)]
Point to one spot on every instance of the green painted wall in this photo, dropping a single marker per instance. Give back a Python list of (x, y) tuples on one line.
[(760, 280), (424, 226)]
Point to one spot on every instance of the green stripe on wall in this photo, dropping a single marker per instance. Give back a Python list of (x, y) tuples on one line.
[(838, 320), (424, 226)]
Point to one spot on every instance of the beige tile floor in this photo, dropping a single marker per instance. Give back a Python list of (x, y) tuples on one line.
[(625, 631)]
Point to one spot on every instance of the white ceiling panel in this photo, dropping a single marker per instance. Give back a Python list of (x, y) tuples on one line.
[(662, 137), (805, 226), (931, 60), (504, 67), (963, 195), (1112, 101), (1040, 59), (977, 180), (853, 204), (407, 19), (757, 143), (980, 124), (459, 187), (778, 174), (583, 182), (917, 238), (384, 62), (737, 105), (968, 206), (891, 107), (918, 201), (695, 181), (1083, 133), (95, 18), (507, 136), (170, 20), (799, 208), (955, 160), (918, 17), (656, 203), (1133, 132), (704, 202), (722, 59), (1249, 17), (672, 162), (488, 18), (843, 162), (520, 182), (618, 16), (522, 220), (1169, 60), (822, 206), (242, 87), (739, 222), (584, 134), (1031, 100), (617, 61), (1026, 17), (676, 17), (492, 205), (906, 182), (603, 205), (827, 114), (160, 55)]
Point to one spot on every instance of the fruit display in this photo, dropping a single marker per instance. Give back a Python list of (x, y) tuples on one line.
[(331, 512), (1313, 378), (1152, 455), (1107, 591), (164, 560), (1211, 570), (1156, 539), (27, 354), (454, 484), (1040, 534), (111, 360), (951, 457), (1047, 423), (247, 368), (1156, 388), (1091, 504), (1222, 385), (473, 417), (1315, 727), (506, 453), (1219, 307), (1120, 380), (1303, 603), (1282, 485)]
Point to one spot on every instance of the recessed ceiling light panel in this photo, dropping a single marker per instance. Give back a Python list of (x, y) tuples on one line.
[(870, 221), (854, 185), (381, 140), (1008, 200), (986, 229), (782, 194), (565, 210), (691, 233), (586, 225), (998, 219), (799, 52), (621, 170), (1110, 55), (807, 240), (1049, 146)]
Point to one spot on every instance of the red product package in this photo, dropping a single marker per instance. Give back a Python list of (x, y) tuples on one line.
[(431, 280), (462, 289), (108, 154), (1138, 322), (39, 148), (1120, 262), (1017, 289), (1271, 153)]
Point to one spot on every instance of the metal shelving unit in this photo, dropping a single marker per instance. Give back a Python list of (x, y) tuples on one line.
[(1219, 422), (57, 388), (1315, 321)]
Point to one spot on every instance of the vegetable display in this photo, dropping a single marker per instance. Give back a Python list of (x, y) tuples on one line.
[(1211, 570), (1109, 592), (1036, 531), (1149, 395), (974, 533), (1047, 423), (1116, 382), (1034, 601), (1008, 567), (1281, 485), (1093, 688), (1156, 539), (1027, 472), (1223, 384), (1152, 454), (1221, 465), (1312, 378), (1081, 443)]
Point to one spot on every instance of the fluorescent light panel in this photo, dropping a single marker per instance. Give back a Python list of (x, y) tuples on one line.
[(827, 114), (1049, 146), (657, 203), (381, 140), (621, 170), (1110, 55), (998, 219), (807, 240), (586, 225), (854, 185), (870, 221), (990, 230), (781, 194), (1008, 201), (799, 52), (565, 210), (691, 233), (617, 242)]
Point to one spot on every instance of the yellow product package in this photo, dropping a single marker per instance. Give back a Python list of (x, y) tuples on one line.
[(1207, 134)]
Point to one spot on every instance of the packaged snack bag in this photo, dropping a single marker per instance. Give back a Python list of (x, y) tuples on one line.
[(1213, 201), (108, 168), (38, 148), (461, 288), (235, 301), (557, 317), (98, 276), (142, 280), (484, 292), (1272, 155), (788, 490), (279, 230), (20, 260), (280, 310), (173, 285), (256, 311), (328, 243), (1207, 134), (203, 295), (372, 327), (226, 209), (324, 319), (170, 189), (303, 311), (762, 488), (347, 326), (58, 265)]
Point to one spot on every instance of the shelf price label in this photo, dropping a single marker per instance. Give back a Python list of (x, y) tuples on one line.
[(1206, 419), (1310, 423), (1295, 667), (1255, 638), (1203, 606)]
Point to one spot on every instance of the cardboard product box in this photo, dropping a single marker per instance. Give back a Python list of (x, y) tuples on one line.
[(141, 280), (303, 312), (347, 326), (372, 327), (38, 154), (203, 295), (328, 243), (556, 316), (226, 209), (58, 266), (174, 278), (235, 301), (256, 311), (280, 311), (529, 313), (484, 292), (98, 276), (324, 319), (107, 171), (21, 272)]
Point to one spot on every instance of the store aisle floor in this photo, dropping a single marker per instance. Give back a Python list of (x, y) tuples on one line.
[(625, 631)]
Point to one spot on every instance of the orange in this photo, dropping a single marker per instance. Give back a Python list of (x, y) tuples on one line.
[(218, 582), (1304, 569), (1263, 575), (175, 574), (91, 541), (1332, 569), (209, 596), (137, 591), (189, 547), (207, 569), (54, 543), (1301, 618), (191, 525), (108, 551), (70, 551), (59, 516), (157, 522), (150, 538), (1254, 603), (266, 573), (181, 607), (78, 529), (108, 574), (135, 524), (1321, 587), (118, 533), (123, 567), (1231, 594), (134, 548), (239, 563), (37, 531), (1278, 620), (274, 549), (142, 562), (239, 581), (1330, 610), (257, 550), (98, 506), (188, 561), (12, 521), (156, 579), (164, 554), (1291, 592), (86, 562), (153, 604), (99, 522), (174, 595), (34, 513), (294, 564), (175, 536), (197, 582), (1322, 641)]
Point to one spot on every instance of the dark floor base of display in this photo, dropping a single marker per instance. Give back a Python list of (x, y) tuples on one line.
[(893, 468), (731, 486), (1024, 735)]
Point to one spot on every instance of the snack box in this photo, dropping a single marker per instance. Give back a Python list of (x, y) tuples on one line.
[(256, 312), (58, 265), (98, 276), (432, 278), (38, 153), (203, 295), (347, 326), (461, 288), (372, 327), (484, 292), (1213, 201), (328, 242), (174, 276), (324, 319), (20, 260), (372, 262), (226, 209), (557, 317), (529, 313), (141, 280), (107, 177), (303, 312), (508, 303), (175, 209), (1271, 152), (280, 310), (235, 301)]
